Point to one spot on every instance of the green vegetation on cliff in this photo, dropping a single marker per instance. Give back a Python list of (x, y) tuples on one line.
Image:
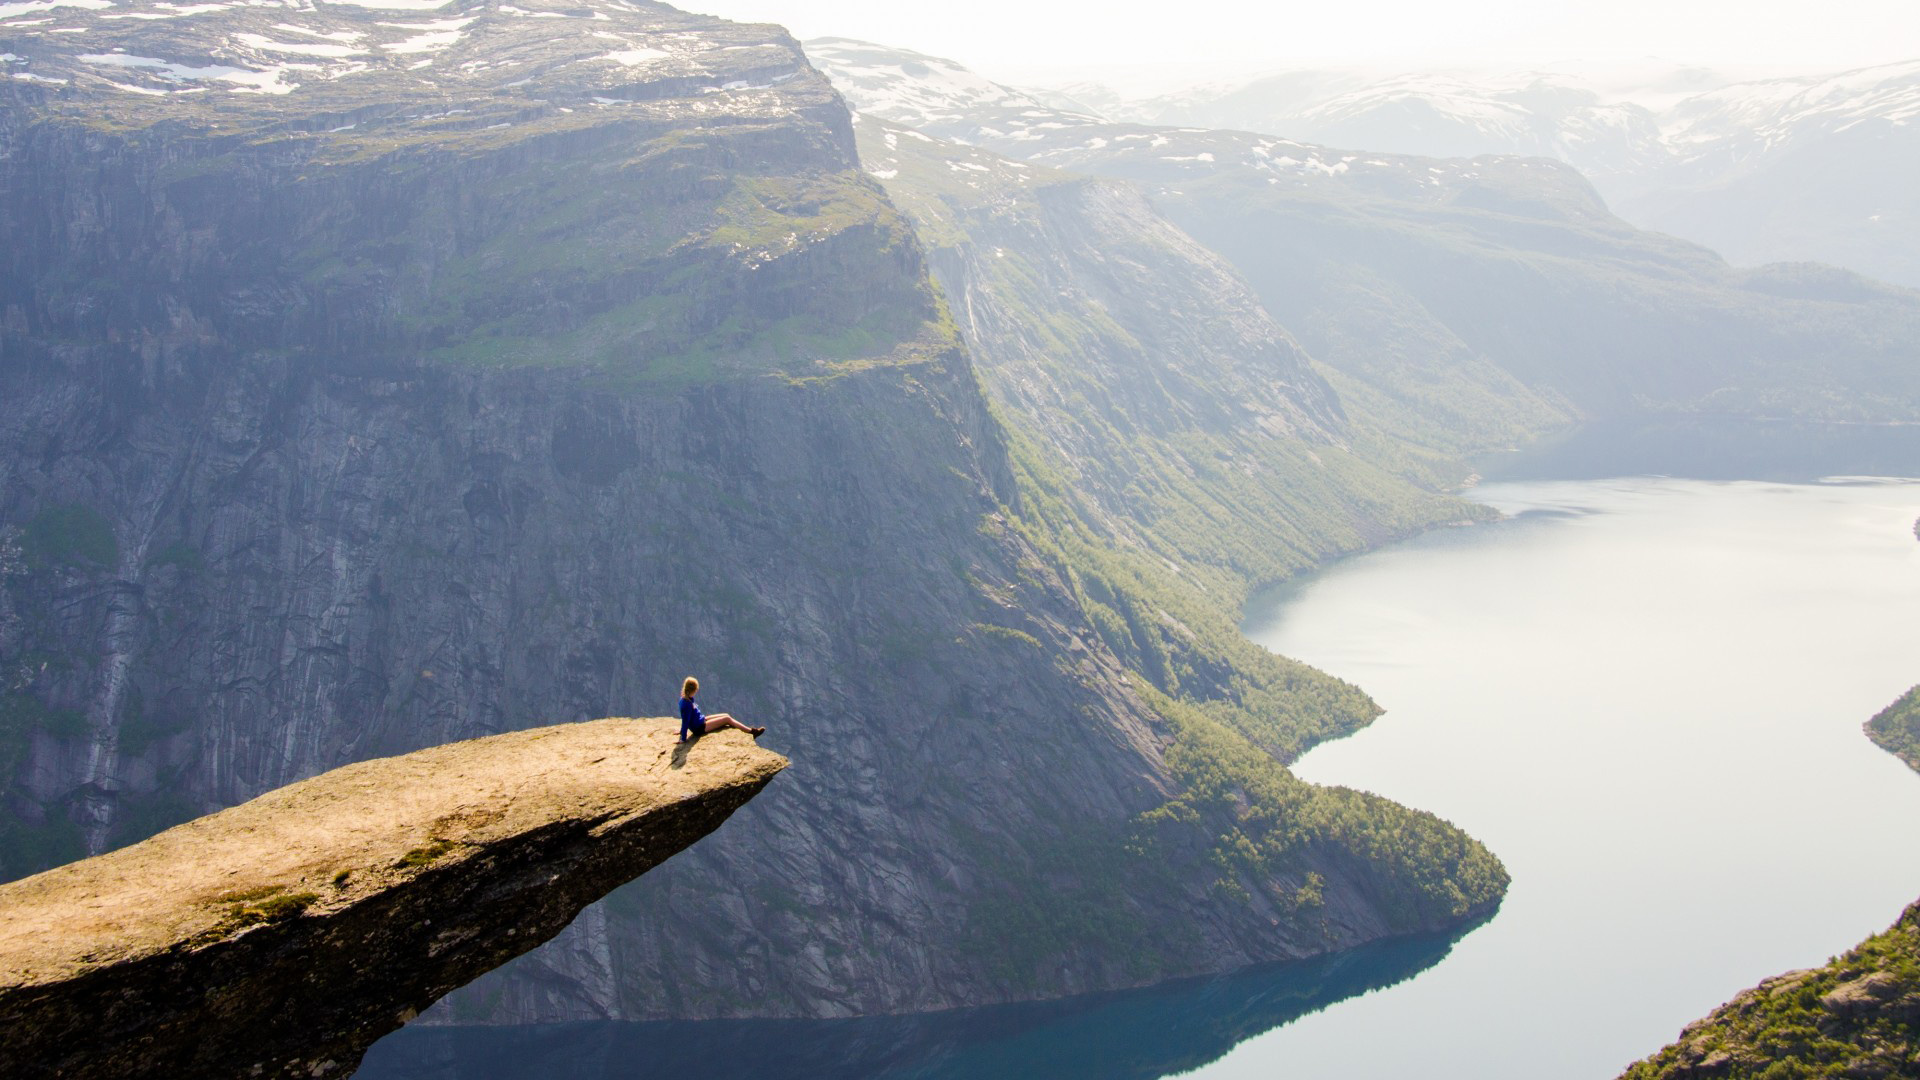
[(1856, 1018), (1180, 420), (1427, 872), (658, 288), (1173, 451), (1182, 640), (1239, 832), (1897, 728), (1239, 829)]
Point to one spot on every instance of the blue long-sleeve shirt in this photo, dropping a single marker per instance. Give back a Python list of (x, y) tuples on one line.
[(692, 720)]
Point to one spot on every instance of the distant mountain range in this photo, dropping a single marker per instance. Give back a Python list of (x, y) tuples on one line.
[(1815, 168), (1465, 302)]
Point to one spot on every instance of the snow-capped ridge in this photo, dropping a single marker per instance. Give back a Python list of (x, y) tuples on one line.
[(910, 91), (910, 88), (528, 54)]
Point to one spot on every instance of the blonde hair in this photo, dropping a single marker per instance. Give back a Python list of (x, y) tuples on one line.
[(690, 687)]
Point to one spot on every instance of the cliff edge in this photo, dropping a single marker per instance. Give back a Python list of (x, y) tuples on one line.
[(281, 937)]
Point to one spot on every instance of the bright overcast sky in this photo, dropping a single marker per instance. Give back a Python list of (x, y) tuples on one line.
[(1009, 38)]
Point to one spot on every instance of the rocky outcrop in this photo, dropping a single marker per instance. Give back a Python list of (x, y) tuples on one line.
[(283, 936), (1857, 1017)]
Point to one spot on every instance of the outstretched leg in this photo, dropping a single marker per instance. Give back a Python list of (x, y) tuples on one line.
[(722, 721)]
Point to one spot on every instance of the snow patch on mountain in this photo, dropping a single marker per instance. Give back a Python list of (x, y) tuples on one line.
[(910, 88), (264, 81), (1776, 110), (1763, 169), (8, 11)]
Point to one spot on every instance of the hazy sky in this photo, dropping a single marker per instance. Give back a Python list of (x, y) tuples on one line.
[(1008, 38)]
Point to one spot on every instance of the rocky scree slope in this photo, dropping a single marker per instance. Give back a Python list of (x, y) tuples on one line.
[(1466, 303), (281, 937), (508, 366)]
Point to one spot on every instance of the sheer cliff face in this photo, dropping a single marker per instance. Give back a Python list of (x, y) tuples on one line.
[(355, 334), (377, 379)]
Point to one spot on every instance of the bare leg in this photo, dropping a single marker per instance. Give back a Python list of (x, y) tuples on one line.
[(722, 721)]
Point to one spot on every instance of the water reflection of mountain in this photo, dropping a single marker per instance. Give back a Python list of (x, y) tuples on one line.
[(1135, 1034)]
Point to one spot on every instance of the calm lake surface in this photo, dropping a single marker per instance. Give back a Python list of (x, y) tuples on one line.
[(1645, 695)]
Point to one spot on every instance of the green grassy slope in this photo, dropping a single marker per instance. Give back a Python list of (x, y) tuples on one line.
[(1174, 446), (1173, 450)]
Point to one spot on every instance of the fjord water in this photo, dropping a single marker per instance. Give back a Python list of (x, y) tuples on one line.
[(1137, 1035), (1645, 695)]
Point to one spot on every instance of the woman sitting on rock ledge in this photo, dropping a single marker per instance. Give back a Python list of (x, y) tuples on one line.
[(694, 723)]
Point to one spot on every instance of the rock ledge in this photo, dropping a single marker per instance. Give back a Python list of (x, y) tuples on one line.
[(283, 936)]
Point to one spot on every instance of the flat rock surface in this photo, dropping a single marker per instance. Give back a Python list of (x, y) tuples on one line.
[(532, 825)]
